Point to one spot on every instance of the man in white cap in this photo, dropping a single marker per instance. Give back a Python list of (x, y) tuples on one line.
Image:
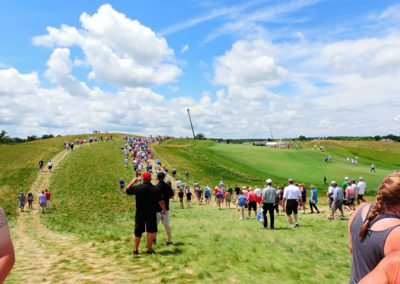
[(268, 203), (361, 190), (330, 192)]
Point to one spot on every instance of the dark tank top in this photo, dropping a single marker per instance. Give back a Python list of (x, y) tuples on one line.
[(367, 252)]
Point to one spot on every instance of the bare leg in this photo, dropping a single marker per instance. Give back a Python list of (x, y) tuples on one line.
[(137, 242), (150, 238), (168, 230), (290, 219)]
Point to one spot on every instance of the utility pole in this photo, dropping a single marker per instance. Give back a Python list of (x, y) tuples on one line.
[(194, 137), (272, 137)]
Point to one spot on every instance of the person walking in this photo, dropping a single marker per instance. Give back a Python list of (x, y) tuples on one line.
[(252, 203), (166, 194), (147, 198), (337, 195), (30, 199), (50, 166), (180, 195), (374, 230), (313, 199), (373, 168), (121, 184), (268, 204), (188, 196), (42, 201), (41, 164), (47, 194), (291, 196), (361, 190), (241, 201), (21, 201)]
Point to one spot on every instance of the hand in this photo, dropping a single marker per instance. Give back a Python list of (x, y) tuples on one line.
[(164, 212)]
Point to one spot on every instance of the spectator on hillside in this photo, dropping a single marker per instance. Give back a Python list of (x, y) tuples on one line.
[(313, 199), (337, 203), (188, 196), (42, 201), (174, 173), (207, 194), (268, 204), (374, 231), (47, 194), (241, 201), (252, 203), (41, 165), (21, 201), (7, 255), (147, 198), (258, 192), (373, 168), (219, 195), (291, 196), (237, 192), (361, 190), (166, 194), (30, 199), (121, 184), (303, 191), (50, 166)]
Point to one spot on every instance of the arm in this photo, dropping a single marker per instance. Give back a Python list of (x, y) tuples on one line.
[(162, 205), (7, 256), (135, 180)]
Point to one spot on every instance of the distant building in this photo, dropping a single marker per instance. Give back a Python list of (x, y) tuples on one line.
[(386, 140)]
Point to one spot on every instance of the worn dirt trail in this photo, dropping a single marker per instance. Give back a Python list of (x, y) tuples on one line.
[(44, 256)]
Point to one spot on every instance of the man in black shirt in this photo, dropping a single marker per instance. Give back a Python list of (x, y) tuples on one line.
[(166, 193), (148, 198)]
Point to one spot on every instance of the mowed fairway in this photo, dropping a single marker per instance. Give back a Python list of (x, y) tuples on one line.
[(209, 162), (210, 245)]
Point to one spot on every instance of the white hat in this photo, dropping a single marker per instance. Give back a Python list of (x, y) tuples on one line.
[(333, 182), (361, 178), (244, 187), (268, 181), (346, 178)]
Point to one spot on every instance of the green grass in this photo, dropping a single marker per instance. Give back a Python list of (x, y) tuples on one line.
[(209, 162), (210, 245)]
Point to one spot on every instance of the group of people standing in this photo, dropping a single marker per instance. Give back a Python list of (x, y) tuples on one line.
[(44, 200)]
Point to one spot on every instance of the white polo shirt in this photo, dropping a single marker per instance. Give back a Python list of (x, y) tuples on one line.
[(361, 187), (292, 192)]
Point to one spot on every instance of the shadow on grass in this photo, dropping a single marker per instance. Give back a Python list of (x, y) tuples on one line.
[(170, 252)]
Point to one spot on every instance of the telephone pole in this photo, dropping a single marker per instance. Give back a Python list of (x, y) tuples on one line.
[(194, 137)]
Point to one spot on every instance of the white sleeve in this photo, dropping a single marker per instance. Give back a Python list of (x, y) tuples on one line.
[(285, 194)]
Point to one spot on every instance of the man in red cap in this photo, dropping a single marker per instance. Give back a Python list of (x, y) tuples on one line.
[(148, 197)]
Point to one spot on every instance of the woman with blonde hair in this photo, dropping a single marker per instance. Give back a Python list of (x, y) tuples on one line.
[(374, 231)]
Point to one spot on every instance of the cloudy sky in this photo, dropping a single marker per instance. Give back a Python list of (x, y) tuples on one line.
[(300, 67)]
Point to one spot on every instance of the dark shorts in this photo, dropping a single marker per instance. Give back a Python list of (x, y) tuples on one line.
[(360, 196), (303, 199), (145, 223), (291, 206), (350, 201), (253, 205)]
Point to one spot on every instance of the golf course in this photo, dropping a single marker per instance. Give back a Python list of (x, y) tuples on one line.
[(87, 234)]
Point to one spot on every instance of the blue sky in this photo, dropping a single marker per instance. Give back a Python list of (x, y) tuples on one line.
[(300, 67)]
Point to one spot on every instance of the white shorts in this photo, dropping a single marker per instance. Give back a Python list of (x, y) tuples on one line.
[(241, 207), (164, 219), (48, 202)]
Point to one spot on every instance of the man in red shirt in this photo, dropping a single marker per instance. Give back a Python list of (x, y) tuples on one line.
[(47, 194), (252, 202)]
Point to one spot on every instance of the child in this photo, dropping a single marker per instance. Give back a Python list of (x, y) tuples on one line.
[(188, 196), (219, 196), (228, 199)]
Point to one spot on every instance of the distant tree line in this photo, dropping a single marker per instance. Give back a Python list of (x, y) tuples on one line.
[(5, 139), (354, 138)]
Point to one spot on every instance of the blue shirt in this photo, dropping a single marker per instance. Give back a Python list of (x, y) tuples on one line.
[(121, 182), (241, 200), (314, 196), (338, 193), (207, 192)]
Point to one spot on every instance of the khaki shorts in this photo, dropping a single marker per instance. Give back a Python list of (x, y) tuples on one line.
[(164, 219)]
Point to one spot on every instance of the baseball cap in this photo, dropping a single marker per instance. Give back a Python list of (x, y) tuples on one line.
[(146, 176), (333, 182), (346, 178), (361, 178), (268, 181)]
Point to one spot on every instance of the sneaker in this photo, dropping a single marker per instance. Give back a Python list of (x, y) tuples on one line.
[(135, 252), (330, 218), (297, 224), (150, 252), (169, 243), (303, 212), (248, 217), (291, 227), (351, 212), (342, 218), (241, 218), (272, 228)]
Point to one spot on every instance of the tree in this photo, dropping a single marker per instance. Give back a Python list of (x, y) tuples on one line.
[(3, 137), (200, 136), (302, 138), (377, 138)]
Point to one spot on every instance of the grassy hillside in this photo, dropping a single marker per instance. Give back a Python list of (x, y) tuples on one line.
[(210, 245), (19, 166), (209, 162)]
